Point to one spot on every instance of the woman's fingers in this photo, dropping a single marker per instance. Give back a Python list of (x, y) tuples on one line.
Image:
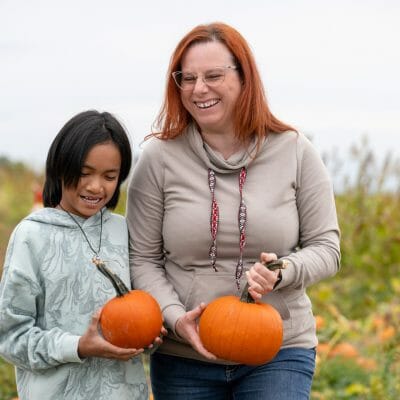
[(187, 328), (260, 279), (268, 257)]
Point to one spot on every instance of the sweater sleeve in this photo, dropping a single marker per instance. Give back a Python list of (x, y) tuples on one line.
[(145, 213), (22, 341), (318, 254)]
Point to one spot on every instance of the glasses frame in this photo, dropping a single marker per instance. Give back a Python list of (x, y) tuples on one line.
[(175, 76)]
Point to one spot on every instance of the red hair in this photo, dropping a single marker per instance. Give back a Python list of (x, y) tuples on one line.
[(252, 115)]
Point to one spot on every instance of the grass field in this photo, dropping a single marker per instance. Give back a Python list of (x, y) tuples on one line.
[(357, 311)]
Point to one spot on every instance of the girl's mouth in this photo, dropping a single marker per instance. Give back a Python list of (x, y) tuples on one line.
[(91, 200)]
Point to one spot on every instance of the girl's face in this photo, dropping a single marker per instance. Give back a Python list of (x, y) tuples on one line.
[(211, 107), (98, 181)]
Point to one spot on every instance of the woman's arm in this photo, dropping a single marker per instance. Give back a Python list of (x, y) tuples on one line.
[(318, 256), (145, 213)]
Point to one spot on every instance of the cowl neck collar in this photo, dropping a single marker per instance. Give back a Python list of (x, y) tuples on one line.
[(55, 216), (214, 160)]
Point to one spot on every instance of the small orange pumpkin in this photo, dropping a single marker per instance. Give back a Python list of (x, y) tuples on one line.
[(133, 319), (239, 330), (345, 350)]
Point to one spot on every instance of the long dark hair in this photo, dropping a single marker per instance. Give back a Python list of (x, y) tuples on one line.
[(70, 147)]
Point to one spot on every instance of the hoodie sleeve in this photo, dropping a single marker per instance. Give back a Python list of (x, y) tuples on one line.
[(22, 341), (145, 208), (318, 256)]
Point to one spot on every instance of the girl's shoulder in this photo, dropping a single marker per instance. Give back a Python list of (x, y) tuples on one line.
[(33, 224), (116, 218), (115, 221)]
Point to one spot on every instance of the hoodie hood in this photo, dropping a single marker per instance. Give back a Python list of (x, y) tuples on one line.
[(214, 160), (56, 217)]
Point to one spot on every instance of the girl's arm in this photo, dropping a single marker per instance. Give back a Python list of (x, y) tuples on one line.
[(22, 341)]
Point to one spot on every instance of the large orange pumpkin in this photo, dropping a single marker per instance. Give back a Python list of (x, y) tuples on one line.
[(239, 330), (133, 319)]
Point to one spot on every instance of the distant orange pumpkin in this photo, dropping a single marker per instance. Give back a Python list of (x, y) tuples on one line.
[(319, 322), (387, 333), (345, 350)]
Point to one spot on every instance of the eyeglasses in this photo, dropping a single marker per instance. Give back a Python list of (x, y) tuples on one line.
[(213, 77)]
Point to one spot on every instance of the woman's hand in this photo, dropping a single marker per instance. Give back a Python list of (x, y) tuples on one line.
[(157, 341), (92, 344), (260, 279), (187, 328)]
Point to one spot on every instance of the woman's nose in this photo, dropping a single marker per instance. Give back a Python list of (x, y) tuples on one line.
[(200, 85)]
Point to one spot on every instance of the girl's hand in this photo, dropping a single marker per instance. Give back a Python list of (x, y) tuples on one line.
[(92, 344), (187, 328), (260, 279)]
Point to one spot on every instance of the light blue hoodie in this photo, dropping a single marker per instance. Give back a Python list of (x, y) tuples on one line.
[(48, 293)]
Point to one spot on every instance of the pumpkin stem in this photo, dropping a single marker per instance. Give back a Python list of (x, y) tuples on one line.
[(272, 266), (119, 286)]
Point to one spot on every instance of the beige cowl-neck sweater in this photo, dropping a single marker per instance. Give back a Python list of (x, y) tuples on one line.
[(290, 212)]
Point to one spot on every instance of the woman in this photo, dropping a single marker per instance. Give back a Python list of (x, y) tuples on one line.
[(219, 151)]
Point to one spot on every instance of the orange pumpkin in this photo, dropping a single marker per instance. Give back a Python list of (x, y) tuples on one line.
[(345, 350), (239, 330), (133, 319)]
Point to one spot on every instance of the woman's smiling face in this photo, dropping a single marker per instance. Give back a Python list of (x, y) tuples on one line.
[(211, 107)]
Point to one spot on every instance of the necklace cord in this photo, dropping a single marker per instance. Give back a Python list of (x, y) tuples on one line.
[(96, 253), (214, 220), (116, 281)]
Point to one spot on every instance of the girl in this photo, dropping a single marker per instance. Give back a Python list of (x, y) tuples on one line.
[(51, 287)]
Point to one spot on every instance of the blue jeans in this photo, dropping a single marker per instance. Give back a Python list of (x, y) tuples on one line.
[(287, 377)]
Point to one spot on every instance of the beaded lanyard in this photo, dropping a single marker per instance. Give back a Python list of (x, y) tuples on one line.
[(214, 219)]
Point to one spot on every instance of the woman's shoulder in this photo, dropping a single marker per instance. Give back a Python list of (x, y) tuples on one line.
[(294, 137), (295, 140), (155, 152), (157, 145)]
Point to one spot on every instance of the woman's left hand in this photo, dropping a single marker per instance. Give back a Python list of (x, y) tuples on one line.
[(157, 341), (187, 328), (260, 279)]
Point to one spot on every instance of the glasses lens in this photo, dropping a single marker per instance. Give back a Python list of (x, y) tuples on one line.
[(214, 77), (183, 80), (187, 80)]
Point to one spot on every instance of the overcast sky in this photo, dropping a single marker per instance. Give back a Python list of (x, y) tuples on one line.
[(330, 68)]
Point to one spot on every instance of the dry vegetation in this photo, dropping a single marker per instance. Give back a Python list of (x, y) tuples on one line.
[(358, 311)]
